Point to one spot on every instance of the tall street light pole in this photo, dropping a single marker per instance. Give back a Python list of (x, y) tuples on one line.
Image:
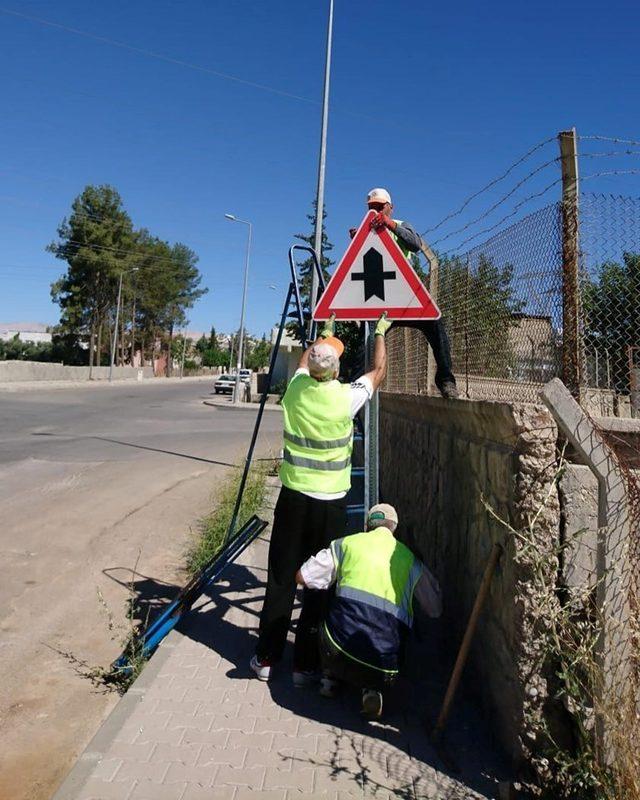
[(115, 327), (236, 391), (317, 244)]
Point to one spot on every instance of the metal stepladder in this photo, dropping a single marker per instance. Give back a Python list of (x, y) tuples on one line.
[(361, 495)]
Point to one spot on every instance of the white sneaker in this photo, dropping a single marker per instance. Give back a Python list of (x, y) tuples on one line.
[(302, 678), (261, 668), (371, 703), (328, 686)]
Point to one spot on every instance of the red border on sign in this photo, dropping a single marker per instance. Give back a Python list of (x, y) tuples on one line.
[(428, 310)]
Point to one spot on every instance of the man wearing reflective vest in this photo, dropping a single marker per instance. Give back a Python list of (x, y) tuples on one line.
[(379, 200), (376, 578), (311, 509)]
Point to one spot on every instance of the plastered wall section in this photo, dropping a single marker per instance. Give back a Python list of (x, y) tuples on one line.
[(440, 461)]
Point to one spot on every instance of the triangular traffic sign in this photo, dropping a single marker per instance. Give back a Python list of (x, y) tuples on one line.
[(374, 276)]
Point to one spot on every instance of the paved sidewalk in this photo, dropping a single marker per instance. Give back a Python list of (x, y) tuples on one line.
[(196, 726)]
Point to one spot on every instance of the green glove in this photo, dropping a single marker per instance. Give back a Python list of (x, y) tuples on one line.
[(328, 327), (383, 325)]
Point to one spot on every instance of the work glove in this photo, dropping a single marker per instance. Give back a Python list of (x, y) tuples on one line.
[(328, 327), (352, 232), (383, 221), (382, 325)]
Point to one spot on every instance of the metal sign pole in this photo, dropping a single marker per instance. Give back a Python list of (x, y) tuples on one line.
[(371, 420)]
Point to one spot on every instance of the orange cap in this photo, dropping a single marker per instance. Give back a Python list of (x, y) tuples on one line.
[(335, 343)]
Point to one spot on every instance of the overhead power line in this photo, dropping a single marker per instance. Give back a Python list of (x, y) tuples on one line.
[(158, 56)]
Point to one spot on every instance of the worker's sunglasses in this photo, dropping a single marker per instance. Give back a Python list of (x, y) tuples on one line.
[(377, 206)]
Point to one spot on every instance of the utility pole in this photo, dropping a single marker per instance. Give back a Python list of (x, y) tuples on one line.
[(184, 350), (236, 391), (317, 244), (115, 329), (571, 345)]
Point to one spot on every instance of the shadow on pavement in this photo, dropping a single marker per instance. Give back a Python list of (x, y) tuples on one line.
[(138, 447), (147, 597), (397, 746)]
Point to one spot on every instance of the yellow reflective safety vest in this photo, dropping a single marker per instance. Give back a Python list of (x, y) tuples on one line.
[(405, 250), (376, 576), (318, 433)]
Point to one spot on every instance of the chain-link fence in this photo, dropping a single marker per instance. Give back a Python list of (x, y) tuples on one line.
[(557, 294), (502, 304), (610, 302)]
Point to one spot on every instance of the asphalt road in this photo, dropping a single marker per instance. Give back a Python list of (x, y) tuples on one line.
[(99, 487)]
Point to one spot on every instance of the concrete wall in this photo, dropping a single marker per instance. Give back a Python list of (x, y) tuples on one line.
[(12, 371), (439, 458)]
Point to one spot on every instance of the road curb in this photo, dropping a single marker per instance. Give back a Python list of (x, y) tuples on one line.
[(98, 746), (95, 751), (241, 406)]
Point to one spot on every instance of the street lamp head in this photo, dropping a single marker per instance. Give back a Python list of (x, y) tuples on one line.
[(231, 217)]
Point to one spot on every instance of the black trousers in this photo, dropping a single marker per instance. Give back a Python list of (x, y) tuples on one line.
[(302, 525), (436, 334), (336, 665)]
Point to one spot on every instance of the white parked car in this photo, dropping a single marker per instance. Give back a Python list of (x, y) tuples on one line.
[(224, 384)]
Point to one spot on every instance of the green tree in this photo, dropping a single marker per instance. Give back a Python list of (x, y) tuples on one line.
[(611, 310), (96, 241), (160, 281), (306, 267), (211, 353), (168, 284), (480, 305), (258, 355)]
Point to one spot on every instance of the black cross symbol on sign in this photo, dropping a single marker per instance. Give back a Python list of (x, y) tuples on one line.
[(373, 274)]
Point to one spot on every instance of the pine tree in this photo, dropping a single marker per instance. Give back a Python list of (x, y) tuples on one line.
[(306, 267)]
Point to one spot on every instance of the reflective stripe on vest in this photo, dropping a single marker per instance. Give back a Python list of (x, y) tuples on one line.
[(318, 435), (376, 569), (375, 580)]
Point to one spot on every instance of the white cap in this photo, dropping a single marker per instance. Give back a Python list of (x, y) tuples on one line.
[(382, 514), (323, 361), (378, 196)]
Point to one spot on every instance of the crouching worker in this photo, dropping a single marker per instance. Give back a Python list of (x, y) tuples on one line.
[(376, 578)]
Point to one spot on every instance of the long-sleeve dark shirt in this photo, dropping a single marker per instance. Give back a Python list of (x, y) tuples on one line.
[(409, 237)]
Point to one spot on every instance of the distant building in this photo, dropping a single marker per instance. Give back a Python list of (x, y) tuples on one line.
[(34, 332), (288, 356), (536, 347)]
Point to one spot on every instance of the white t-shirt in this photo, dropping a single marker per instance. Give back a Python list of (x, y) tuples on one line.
[(361, 392)]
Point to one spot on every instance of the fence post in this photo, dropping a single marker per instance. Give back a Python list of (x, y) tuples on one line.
[(571, 360), (615, 648), (434, 265)]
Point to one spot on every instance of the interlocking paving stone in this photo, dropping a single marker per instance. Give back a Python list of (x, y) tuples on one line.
[(95, 789), (204, 729)]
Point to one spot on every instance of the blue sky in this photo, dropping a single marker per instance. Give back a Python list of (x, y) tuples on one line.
[(429, 100)]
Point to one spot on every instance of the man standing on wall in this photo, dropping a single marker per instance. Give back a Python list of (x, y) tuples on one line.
[(311, 509), (379, 200)]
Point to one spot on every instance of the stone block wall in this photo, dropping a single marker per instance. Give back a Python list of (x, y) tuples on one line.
[(438, 460), (14, 371)]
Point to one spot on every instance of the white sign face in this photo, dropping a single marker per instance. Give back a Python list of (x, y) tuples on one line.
[(374, 281), (374, 276)]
